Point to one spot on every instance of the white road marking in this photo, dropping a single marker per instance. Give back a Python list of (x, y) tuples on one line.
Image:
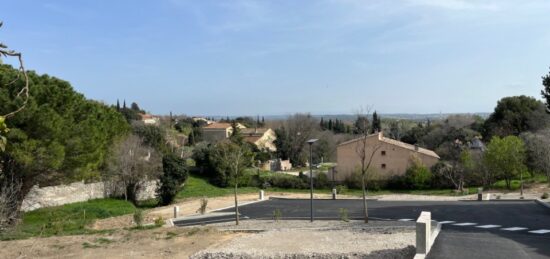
[(513, 229), (540, 231), (446, 222), (405, 220), (465, 224), (488, 226)]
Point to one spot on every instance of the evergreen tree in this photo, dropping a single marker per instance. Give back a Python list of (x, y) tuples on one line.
[(117, 105), (322, 124), (330, 124), (546, 91), (376, 125), (124, 105), (263, 121)]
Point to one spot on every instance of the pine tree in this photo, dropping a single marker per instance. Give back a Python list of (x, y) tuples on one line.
[(124, 105), (117, 105), (322, 124)]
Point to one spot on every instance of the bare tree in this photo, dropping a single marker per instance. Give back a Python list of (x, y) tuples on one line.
[(538, 150), (131, 165), (459, 162), (292, 135), (9, 202), (365, 152), (233, 158), (23, 92), (10, 188)]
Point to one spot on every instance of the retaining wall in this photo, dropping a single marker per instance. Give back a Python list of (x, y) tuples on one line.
[(76, 192)]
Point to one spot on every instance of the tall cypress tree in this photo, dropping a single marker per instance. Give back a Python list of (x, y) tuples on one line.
[(545, 92)]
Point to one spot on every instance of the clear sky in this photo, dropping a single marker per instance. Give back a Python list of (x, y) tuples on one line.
[(243, 57)]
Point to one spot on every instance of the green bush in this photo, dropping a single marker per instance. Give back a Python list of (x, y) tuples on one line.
[(285, 181), (341, 189), (418, 177), (544, 196), (138, 217), (321, 181), (174, 175)]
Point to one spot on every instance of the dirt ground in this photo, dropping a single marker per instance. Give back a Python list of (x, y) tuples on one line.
[(169, 242), (153, 243)]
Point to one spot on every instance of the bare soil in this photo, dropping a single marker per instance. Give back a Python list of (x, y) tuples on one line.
[(153, 243)]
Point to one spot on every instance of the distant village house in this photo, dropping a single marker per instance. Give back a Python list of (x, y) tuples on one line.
[(391, 157)]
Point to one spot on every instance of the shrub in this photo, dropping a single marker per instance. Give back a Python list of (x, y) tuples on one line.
[(321, 181), (138, 217), (159, 222), (174, 175), (344, 215), (341, 189), (418, 177), (286, 181), (544, 196), (277, 215), (204, 204)]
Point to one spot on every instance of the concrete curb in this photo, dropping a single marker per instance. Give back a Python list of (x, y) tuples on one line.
[(542, 203), (432, 234)]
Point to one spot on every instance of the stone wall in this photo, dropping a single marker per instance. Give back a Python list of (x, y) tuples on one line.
[(76, 192)]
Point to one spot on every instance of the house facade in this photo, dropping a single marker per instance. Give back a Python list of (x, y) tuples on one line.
[(390, 157), (262, 138), (149, 119), (218, 131)]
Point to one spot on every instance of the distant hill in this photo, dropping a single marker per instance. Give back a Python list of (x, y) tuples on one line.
[(351, 117)]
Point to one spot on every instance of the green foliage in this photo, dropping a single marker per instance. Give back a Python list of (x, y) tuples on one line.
[(505, 157), (277, 215), (199, 186), (174, 175), (68, 219), (545, 92), (138, 217), (152, 136), (544, 196), (230, 159), (344, 214), (514, 115), (418, 176), (3, 131), (59, 135)]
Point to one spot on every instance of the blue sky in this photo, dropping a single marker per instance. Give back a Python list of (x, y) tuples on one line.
[(246, 57)]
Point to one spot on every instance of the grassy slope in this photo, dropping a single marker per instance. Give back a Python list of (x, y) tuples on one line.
[(200, 187), (68, 219)]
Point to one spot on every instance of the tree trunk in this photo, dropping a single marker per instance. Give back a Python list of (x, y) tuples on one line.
[(365, 198), (236, 206)]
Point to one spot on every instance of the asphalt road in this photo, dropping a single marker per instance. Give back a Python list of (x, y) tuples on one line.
[(487, 229)]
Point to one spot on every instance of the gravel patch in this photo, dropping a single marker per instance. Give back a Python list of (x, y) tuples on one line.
[(320, 239)]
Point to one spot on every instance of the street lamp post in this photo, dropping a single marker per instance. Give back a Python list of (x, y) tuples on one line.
[(310, 142)]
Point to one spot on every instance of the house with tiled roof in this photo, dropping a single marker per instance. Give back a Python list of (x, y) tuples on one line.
[(390, 157), (263, 138), (149, 119), (218, 131)]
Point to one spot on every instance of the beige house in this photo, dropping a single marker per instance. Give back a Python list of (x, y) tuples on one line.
[(391, 157), (149, 119), (218, 131), (262, 138)]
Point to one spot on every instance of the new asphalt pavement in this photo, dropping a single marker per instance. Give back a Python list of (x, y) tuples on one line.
[(471, 229)]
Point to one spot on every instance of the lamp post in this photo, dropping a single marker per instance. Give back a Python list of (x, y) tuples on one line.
[(310, 142)]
